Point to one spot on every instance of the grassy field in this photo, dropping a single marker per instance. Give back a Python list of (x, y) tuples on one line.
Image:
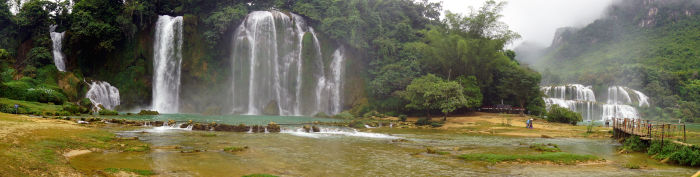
[(32, 106)]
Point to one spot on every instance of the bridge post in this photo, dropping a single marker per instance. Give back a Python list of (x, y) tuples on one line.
[(662, 136), (684, 140)]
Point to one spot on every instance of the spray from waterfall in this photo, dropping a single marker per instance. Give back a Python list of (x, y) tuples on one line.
[(167, 58), (102, 93)]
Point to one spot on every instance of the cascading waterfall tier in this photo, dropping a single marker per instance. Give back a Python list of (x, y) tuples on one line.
[(57, 39), (167, 58), (102, 93), (622, 102), (278, 66)]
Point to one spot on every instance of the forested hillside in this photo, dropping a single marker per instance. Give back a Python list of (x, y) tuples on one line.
[(647, 45), (391, 42)]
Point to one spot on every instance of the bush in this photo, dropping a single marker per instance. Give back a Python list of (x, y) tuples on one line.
[(72, 108), (357, 124), (344, 115), (403, 118), (435, 124), (108, 112), (563, 115), (545, 147), (423, 121), (683, 155), (148, 112), (634, 144)]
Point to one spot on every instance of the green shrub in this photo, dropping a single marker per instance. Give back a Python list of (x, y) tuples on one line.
[(563, 115), (545, 147), (423, 121), (72, 108), (108, 112), (357, 124), (148, 112), (403, 117), (371, 114), (344, 115), (435, 124), (683, 155), (631, 166), (634, 144)]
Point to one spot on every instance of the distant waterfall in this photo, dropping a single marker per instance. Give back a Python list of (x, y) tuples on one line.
[(57, 39), (102, 93), (621, 101), (167, 57), (273, 68)]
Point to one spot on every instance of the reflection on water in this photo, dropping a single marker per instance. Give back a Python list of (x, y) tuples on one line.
[(344, 152)]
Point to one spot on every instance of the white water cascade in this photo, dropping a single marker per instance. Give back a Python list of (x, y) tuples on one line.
[(622, 102), (102, 93), (277, 64), (57, 39), (167, 58)]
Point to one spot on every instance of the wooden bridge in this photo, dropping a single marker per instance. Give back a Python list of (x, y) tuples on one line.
[(649, 130)]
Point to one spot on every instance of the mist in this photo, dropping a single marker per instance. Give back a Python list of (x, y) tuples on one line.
[(537, 20)]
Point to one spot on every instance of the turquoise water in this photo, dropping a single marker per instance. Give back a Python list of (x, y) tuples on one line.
[(227, 119)]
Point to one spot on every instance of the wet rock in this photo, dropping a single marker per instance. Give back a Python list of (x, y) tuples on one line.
[(200, 127), (315, 129), (307, 128), (546, 136), (171, 122), (184, 125), (273, 127), (157, 123)]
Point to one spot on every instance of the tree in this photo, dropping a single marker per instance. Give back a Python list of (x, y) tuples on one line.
[(431, 92), (472, 92), (520, 83)]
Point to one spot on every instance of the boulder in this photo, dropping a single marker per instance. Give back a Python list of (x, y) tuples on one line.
[(271, 108)]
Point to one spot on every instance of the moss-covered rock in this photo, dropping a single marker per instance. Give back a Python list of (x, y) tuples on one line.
[(271, 108)]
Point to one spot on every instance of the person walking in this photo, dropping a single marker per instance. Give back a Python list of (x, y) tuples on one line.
[(531, 122)]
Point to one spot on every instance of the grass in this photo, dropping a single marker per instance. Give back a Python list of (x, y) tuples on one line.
[(31, 106), (137, 171), (235, 149), (545, 147), (631, 166), (259, 175), (556, 157)]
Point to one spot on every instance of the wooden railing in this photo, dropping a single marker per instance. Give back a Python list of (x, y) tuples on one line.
[(649, 129)]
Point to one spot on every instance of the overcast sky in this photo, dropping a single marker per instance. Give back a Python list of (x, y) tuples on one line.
[(536, 20)]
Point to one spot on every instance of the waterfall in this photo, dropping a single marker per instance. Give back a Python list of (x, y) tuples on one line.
[(57, 39), (102, 93), (621, 101), (167, 57), (273, 70)]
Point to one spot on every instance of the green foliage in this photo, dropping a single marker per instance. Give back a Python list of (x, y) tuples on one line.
[(27, 89), (545, 147), (423, 121), (221, 19), (472, 92), (322, 114), (148, 112), (563, 115), (108, 112), (634, 144), (683, 155), (137, 171), (431, 92), (344, 115), (556, 157), (403, 117)]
